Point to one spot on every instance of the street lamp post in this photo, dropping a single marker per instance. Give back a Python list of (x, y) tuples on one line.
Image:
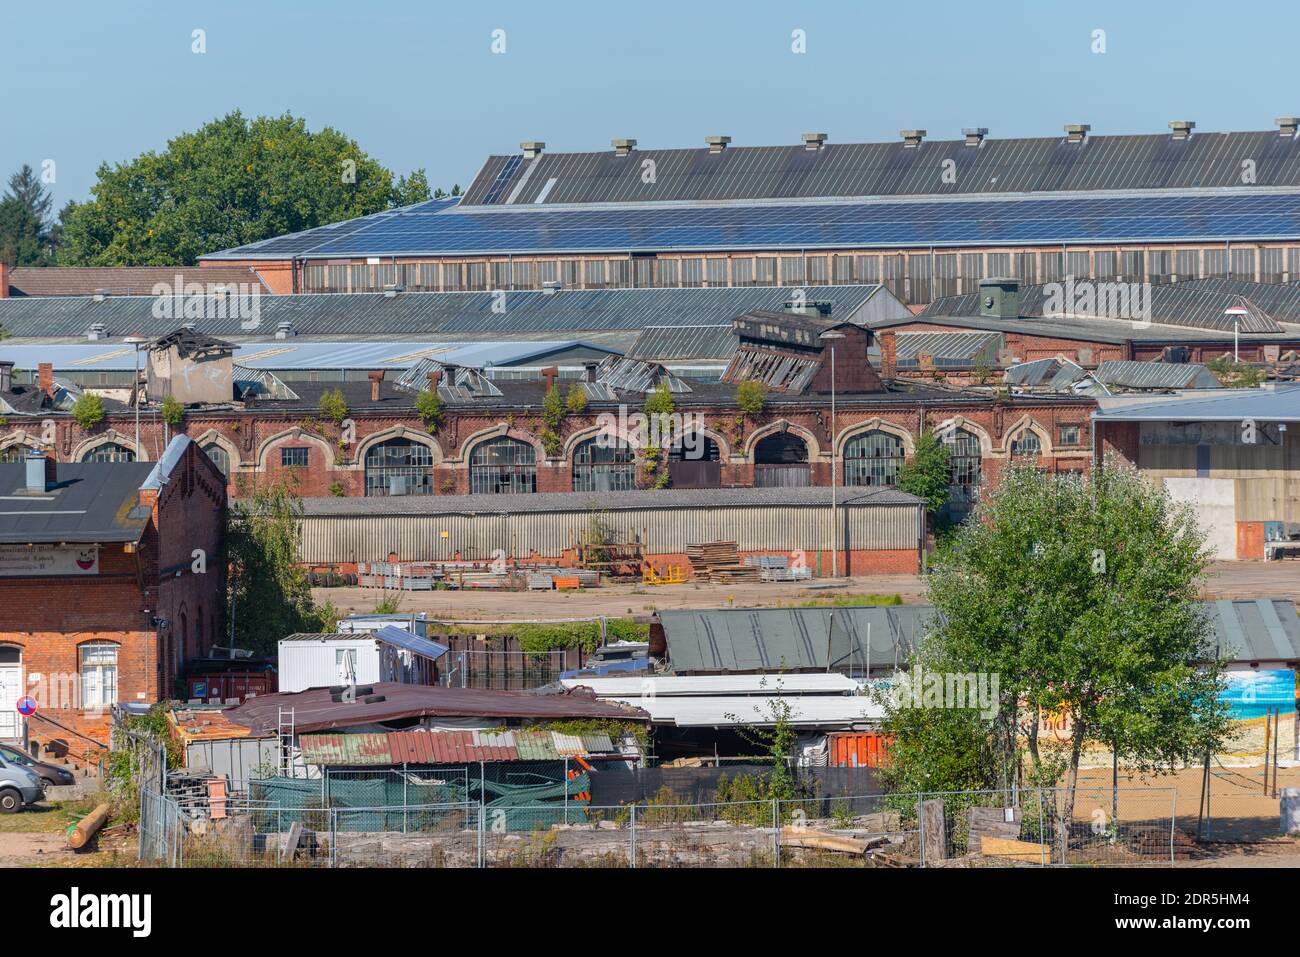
[(1236, 313), (831, 337), (134, 342)]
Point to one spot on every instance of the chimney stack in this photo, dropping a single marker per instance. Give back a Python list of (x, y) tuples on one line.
[(4, 280), (814, 141), (41, 472), (1075, 132), (6, 376), (45, 378), (1182, 128), (888, 355), (376, 377), (532, 148), (549, 374), (911, 138), (590, 368), (1287, 126), (435, 379), (622, 146), (717, 143), (449, 370), (975, 135)]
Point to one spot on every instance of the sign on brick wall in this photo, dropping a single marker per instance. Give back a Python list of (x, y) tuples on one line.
[(24, 560)]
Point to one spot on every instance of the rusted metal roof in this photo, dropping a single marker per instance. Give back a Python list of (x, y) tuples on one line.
[(448, 747)]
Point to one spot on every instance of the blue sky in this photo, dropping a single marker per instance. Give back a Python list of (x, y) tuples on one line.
[(416, 83)]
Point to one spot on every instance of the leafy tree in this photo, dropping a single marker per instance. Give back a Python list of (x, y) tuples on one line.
[(1081, 597), (27, 236), (925, 474), (231, 182), (88, 410), (429, 408), (659, 401), (172, 411), (269, 592), (553, 408), (576, 400), (751, 397), (1235, 375), (333, 405)]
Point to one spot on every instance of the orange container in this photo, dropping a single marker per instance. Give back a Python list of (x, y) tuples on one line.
[(858, 749)]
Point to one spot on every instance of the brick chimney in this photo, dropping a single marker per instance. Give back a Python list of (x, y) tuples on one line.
[(6, 376), (376, 377), (51, 469), (888, 355), (45, 378), (435, 379), (549, 374), (4, 280), (591, 369)]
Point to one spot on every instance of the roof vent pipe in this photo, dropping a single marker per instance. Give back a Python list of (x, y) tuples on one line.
[(551, 287), (97, 331), (975, 135), (814, 141), (717, 143), (912, 138), (622, 146), (1182, 128), (532, 148), (1075, 132), (1287, 125), (283, 329), (40, 471)]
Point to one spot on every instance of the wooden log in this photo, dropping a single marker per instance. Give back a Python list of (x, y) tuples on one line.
[(936, 840), (822, 841), (88, 827)]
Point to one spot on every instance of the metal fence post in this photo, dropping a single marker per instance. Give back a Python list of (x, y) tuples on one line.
[(334, 838), (632, 845), (482, 837), (776, 832), (1042, 843), (1173, 818), (920, 822)]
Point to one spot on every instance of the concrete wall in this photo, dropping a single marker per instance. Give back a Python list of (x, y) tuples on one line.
[(1215, 502)]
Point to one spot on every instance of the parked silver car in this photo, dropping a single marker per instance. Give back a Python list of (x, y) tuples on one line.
[(19, 786)]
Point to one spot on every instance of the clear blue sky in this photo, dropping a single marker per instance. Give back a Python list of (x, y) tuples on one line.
[(416, 83)]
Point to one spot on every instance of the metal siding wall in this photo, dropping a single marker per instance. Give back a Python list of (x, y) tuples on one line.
[(754, 528)]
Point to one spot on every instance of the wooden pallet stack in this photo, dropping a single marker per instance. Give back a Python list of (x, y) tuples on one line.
[(720, 562)]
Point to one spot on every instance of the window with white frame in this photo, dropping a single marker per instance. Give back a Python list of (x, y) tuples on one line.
[(98, 674)]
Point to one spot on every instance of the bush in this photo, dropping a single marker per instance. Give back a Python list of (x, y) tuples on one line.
[(172, 411), (751, 395), (89, 410), (429, 407), (577, 400), (333, 406)]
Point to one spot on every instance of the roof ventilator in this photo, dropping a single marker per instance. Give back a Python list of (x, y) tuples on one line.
[(975, 135), (623, 146), (814, 141), (1182, 128), (911, 138), (1288, 125), (717, 143), (1076, 132)]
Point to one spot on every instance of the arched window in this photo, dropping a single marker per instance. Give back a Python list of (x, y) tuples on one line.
[(1026, 443), (781, 461), (399, 467), (15, 453), (604, 464), (964, 466), (109, 452), (873, 458), (503, 467), (219, 456)]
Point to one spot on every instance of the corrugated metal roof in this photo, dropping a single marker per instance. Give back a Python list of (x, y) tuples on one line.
[(1279, 403), (1195, 303), (1053, 373), (1256, 630), (664, 343), (948, 348), (715, 685), (1050, 163), (448, 747), (1155, 375), (423, 314)]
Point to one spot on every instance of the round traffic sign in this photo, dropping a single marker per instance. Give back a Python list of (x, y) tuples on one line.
[(26, 705)]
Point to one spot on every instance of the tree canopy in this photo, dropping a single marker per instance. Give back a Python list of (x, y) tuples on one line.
[(28, 236), (925, 474), (232, 182)]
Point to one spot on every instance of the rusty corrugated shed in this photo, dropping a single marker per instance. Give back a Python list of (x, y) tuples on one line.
[(345, 749), (448, 747)]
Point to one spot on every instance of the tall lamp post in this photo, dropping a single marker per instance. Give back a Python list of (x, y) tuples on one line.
[(134, 342), (831, 337), (1236, 314)]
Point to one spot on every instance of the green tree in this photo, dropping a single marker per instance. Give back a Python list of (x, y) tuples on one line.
[(1235, 375), (429, 408), (231, 182), (576, 402), (269, 592), (553, 413), (333, 405), (751, 396), (27, 235), (1080, 595), (659, 401), (172, 411), (88, 411), (925, 474)]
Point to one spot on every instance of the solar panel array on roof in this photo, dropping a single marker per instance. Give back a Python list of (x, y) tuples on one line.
[(1158, 161), (1196, 303), (795, 225), (522, 313)]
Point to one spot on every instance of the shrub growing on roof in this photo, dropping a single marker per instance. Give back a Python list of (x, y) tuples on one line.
[(88, 411), (429, 408)]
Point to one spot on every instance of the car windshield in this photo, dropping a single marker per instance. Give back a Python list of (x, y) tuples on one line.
[(14, 756)]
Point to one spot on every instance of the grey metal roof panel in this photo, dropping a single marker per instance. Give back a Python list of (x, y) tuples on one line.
[(1155, 161), (427, 314), (1273, 403), (92, 502), (948, 348), (1256, 630), (1155, 375), (678, 343), (602, 501)]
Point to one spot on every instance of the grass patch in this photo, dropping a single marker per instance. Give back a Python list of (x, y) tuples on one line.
[(851, 601)]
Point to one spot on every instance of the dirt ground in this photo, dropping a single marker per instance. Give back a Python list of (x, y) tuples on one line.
[(1225, 580)]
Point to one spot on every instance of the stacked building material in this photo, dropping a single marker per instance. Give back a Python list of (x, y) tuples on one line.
[(719, 562)]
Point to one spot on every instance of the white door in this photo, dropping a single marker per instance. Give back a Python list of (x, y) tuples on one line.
[(11, 688)]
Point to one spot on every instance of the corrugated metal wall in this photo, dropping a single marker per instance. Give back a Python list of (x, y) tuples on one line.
[(333, 538)]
